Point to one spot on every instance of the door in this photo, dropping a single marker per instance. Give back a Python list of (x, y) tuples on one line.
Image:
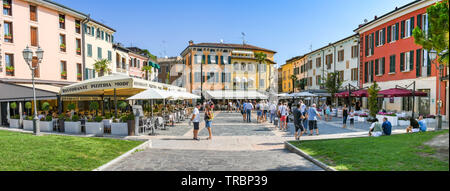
[(4, 113), (424, 103)]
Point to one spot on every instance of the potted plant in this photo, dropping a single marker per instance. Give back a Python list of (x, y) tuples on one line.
[(73, 125), (61, 20), (79, 50), (79, 75), (28, 123), (10, 69), (122, 105), (95, 126), (6, 5), (131, 124), (77, 25), (392, 117), (14, 122), (362, 117), (8, 36), (46, 124), (119, 127), (404, 121), (93, 106), (64, 74), (62, 46)]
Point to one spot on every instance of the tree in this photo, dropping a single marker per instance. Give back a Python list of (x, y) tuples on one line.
[(261, 59), (14, 107), (332, 84), (147, 70), (45, 107), (150, 55), (294, 82), (122, 105), (93, 106), (437, 36), (373, 99), (28, 107), (102, 66)]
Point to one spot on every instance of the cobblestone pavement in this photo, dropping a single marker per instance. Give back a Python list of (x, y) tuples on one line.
[(236, 146)]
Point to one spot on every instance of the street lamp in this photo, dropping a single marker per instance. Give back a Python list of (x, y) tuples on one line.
[(440, 67), (28, 57)]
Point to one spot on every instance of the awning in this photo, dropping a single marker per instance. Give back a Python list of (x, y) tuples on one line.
[(24, 92), (157, 66), (233, 95), (124, 85), (359, 93), (150, 63), (302, 94), (398, 92), (151, 94)]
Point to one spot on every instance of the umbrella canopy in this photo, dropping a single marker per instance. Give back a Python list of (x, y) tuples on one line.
[(398, 92), (185, 95), (359, 93), (303, 94), (152, 94)]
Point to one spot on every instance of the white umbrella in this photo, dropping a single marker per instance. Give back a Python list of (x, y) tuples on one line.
[(152, 94), (303, 94)]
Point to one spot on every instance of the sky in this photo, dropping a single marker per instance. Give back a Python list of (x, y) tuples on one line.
[(289, 27)]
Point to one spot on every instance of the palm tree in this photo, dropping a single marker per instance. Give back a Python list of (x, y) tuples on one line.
[(102, 66), (261, 59), (148, 70), (294, 79)]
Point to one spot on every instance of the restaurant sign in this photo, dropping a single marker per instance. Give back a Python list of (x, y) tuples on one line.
[(93, 86)]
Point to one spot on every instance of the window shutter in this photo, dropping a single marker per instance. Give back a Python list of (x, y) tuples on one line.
[(103, 35), (377, 36), (396, 30), (86, 72), (418, 63), (229, 59), (389, 28), (366, 46), (366, 72), (221, 60), (373, 45), (383, 65), (419, 21), (203, 59), (384, 36), (85, 28), (209, 59), (403, 29), (376, 67), (412, 26), (411, 60), (428, 65), (92, 31), (217, 59), (402, 62), (93, 73)]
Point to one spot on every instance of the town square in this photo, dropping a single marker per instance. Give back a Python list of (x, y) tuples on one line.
[(173, 89)]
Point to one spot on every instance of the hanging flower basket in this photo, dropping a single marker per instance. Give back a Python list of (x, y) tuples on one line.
[(64, 74), (8, 36), (61, 20), (6, 6), (9, 69), (78, 50)]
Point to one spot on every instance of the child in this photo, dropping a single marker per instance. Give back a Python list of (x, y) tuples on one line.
[(352, 119)]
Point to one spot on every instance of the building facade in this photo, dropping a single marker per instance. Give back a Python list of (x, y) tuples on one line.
[(298, 64), (172, 71), (219, 66), (390, 57), (98, 45), (287, 71), (340, 57)]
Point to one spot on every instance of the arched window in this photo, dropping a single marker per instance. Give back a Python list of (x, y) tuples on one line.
[(236, 66), (243, 66)]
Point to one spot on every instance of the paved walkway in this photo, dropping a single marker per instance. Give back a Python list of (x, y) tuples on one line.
[(236, 146)]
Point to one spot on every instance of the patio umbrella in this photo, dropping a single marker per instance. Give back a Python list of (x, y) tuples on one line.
[(398, 92), (303, 94), (359, 93)]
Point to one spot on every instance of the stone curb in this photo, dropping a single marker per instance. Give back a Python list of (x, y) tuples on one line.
[(146, 144), (296, 150)]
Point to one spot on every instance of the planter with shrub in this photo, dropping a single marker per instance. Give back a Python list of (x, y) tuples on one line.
[(95, 126), (73, 125), (119, 127), (46, 125), (404, 121), (28, 123)]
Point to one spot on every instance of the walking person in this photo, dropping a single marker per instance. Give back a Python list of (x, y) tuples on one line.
[(298, 122), (352, 118), (258, 112), (345, 116), (284, 113), (248, 111), (244, 113), (312, 119), (273, 111), (209, 116), (196, 120), (266, 111)]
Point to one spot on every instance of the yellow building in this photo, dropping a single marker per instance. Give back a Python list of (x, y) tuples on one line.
[(220, 66), (298, 65), (287, 71)]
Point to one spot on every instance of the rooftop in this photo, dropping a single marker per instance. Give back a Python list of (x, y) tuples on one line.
[(231, 46)]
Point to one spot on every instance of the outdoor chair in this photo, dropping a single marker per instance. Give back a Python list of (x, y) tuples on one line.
[(159, 123), (149, 127)]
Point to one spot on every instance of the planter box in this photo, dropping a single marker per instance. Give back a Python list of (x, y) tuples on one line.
[(72, 127), (46, 126), (119, 129), (28, 125), (430, 120), (393, 120), (94, 128), (404, 123), (14, 123), (361, 119)]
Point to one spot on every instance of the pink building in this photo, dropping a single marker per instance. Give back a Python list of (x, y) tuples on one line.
[(56, 29)]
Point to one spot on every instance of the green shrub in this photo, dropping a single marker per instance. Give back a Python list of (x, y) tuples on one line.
[(108, 116), (130, 117), (49, 118), (28, 105), (15, 117), (62, 117), (71, 106), (98, 119), (45, 106), (29, 118), (94, 106), (75, 118)]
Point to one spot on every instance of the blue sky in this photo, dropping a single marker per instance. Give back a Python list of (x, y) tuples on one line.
[(289, 27)]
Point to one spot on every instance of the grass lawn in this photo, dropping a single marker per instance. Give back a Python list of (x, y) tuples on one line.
[(404, 152), (25, 152)]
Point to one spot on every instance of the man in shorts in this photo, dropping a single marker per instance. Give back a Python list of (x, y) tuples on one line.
[(196, 121), (298, 122), (283, 113), (312, 119)]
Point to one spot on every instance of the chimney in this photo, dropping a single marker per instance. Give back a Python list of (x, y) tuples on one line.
[(376, 17), (191, 43)]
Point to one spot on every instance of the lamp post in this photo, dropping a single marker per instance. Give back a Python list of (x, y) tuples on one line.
[(28, 56), (440, 67)]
